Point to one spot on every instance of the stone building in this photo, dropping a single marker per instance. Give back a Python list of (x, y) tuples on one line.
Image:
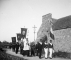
[(62, 33), (61, 30), (47, 22)]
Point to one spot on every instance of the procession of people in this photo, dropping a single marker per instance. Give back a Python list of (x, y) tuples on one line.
[(32, 49), (26, 49)]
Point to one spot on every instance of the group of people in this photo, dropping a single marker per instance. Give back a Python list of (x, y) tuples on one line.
[(46, 47), (35, 49), (14, 47)]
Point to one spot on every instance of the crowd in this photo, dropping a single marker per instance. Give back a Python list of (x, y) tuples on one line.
[(29, 50)]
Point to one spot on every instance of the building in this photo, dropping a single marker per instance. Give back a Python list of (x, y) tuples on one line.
[(61, 29), (47, 22)]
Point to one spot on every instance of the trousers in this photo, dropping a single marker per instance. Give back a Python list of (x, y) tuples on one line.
[(46, 52), (50, 52)]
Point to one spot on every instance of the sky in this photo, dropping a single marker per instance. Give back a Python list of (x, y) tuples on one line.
[(17, 14)]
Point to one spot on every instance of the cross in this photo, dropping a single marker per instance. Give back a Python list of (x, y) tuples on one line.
[(34, 31)]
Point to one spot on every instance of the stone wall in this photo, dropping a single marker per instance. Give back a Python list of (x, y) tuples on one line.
[(44, 29), (62, 40)]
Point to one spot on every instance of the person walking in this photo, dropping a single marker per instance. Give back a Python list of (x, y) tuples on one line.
[(46, 49), (17, 47), (13, 46), (33, 50), (36, 49), (21, 46), (26, 47), (39, 49), (50, 49)]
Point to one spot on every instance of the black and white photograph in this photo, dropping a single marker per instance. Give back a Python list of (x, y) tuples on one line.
[(35, 29)]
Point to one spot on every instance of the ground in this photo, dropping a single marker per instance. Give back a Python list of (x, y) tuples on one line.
[(9, 51)]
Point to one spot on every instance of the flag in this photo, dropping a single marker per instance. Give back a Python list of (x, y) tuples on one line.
[(13, 39), (23, 32), (18, 36), (51, 33)]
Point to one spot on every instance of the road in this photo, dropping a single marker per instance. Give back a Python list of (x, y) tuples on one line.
[(9, 51)]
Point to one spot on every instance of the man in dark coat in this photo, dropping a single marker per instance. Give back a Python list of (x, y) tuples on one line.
[(33, 50), (39, 49), (13, 46), (17, 47), (21, 47), (36, 49)]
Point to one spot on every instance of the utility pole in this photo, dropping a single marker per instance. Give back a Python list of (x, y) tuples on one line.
[(34, 31), (27, 32), (24, 26)]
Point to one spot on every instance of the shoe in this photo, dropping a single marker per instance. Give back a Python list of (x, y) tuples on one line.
[(46, 58), (50, 58), (39, 57)]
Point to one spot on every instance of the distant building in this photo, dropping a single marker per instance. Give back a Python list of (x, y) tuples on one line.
[(61, 30)]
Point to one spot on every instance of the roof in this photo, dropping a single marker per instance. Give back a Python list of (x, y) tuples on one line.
[(62, 23)]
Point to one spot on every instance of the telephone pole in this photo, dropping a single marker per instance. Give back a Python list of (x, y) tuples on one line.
[(34, 31)]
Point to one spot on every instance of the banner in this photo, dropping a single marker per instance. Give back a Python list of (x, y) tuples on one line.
[(18, 36), (13, 39), (51, 34), (23, 32)]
